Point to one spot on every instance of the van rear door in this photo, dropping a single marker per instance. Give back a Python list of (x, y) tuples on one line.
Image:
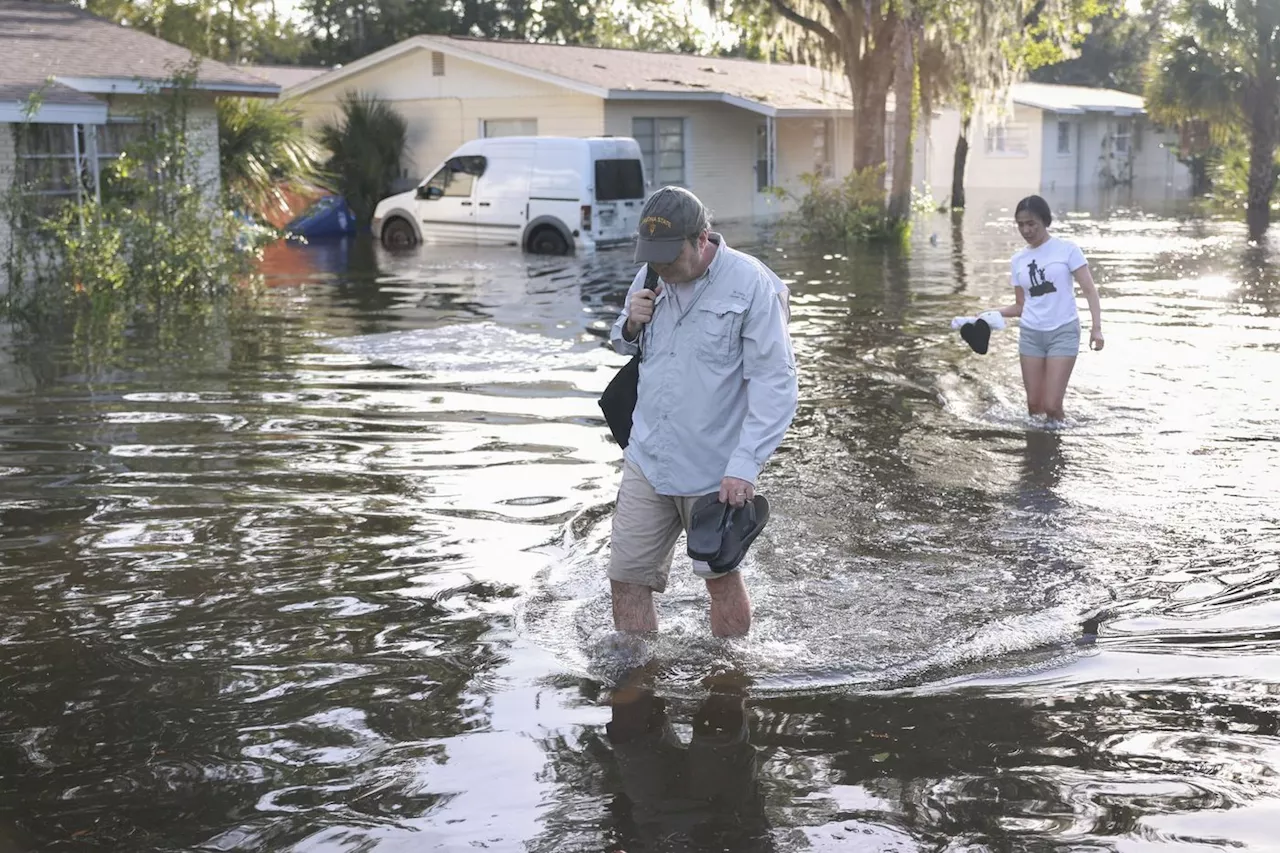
[(619, 198), (619, 189)]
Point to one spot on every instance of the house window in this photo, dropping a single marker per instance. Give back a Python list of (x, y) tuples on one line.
[(49, 167), (63, 162), (116, 138), (1006, 139), (822, 133), (1120, 142), (509, 127), (1064, 137), (662, 148), (437, 64), (112, 142)]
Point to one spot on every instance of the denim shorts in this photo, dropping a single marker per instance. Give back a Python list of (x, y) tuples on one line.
[(1062, 342)]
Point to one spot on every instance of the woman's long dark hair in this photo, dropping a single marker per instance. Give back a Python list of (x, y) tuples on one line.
[(1034, 204)]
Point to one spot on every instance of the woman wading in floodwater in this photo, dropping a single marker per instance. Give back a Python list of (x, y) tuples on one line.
[(1049, 338)]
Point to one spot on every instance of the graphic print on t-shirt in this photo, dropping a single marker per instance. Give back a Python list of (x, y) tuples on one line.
[(1039, 284)]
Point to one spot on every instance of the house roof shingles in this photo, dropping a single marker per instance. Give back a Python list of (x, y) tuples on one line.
[(779, 85), (612, 72), (39, 40), (285, 76)]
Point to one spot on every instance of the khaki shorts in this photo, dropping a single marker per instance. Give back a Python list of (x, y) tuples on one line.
[(646, 526)]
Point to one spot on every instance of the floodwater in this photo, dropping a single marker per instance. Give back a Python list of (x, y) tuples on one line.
[(329, 576)]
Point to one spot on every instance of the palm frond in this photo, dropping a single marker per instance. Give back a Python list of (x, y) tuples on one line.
[(365, 149)]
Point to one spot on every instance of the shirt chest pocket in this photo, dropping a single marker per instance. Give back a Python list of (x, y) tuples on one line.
[(720, 331)]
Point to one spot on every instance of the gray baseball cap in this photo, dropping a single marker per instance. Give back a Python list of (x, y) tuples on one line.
[(670, 216)]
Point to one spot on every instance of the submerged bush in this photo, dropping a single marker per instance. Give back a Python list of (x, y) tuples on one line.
[(847, 211)]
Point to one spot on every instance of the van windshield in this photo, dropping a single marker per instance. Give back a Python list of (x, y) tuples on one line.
[(619, 179)]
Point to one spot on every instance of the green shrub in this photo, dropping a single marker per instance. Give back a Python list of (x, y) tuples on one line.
[(851, 210)]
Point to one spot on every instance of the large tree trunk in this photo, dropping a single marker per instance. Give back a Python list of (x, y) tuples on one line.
[(904, 78), (1261, 105), (872, 76), (962, 157), (1262, 172)]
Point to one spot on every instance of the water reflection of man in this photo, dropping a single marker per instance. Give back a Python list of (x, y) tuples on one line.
[(701, 796)]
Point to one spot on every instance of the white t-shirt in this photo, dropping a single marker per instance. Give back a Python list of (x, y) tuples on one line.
[(1045, 274)]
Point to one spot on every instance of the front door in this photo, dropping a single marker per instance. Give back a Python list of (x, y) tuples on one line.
[(764, 202)]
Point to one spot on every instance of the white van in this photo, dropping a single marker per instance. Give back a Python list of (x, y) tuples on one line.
[(546, 194)]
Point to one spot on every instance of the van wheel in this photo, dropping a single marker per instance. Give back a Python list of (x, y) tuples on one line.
[(548, 241), (398, 234)]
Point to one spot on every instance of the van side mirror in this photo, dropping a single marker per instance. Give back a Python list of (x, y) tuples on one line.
[(429, 192)]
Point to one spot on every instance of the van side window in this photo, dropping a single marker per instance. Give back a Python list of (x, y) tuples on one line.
[(457, 177)]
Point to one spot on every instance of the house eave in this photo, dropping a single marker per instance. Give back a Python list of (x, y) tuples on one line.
[(1076, 110), (134, 86), (709, 96), (816, 112), (17, 112)]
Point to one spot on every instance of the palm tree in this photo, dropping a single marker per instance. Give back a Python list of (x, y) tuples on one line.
[(365, 148), (264, 153), (1220, 67)]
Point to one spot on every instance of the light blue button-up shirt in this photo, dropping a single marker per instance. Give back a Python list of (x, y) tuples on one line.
[(717, 382)]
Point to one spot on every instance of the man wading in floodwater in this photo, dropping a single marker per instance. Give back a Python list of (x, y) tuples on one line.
[(717, 392)]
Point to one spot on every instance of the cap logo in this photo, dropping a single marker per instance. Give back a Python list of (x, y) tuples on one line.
[(654, 221)]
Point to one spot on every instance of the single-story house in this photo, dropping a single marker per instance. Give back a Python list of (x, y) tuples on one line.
[(70, 83), (728, 129), (1060, 141)]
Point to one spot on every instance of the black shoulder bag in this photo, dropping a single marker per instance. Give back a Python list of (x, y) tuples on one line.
[(618, 401)]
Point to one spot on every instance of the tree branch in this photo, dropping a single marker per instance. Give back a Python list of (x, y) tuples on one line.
[(828, 37), (838, 13), (1033, 14)]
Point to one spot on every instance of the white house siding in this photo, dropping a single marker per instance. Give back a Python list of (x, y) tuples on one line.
[(202, 138), (1009, 170), (934, 170), (1062, 170), (719, 143), (444, 111), (795, 149)]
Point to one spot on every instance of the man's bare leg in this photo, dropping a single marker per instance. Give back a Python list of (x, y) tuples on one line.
[(633, 610), (730, 606)]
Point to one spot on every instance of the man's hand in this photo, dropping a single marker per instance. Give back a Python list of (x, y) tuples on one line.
[(640, 311), (736, 492)]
